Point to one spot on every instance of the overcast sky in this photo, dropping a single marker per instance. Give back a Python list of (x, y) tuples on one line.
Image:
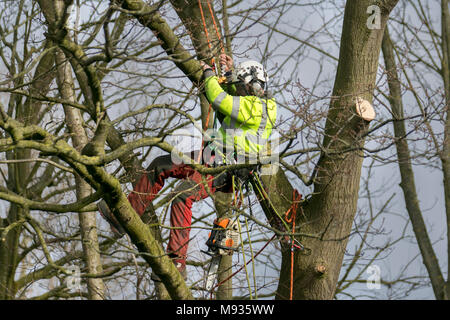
[(307, 65)]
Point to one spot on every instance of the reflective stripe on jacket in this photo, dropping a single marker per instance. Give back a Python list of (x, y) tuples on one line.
[(249, 119)]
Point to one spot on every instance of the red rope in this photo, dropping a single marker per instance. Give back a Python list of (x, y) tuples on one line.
[(293, 210), (215, 27), (204, 26), (296, 198), (212, 59)]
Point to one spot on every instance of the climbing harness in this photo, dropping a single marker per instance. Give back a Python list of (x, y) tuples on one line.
[(224, 238)]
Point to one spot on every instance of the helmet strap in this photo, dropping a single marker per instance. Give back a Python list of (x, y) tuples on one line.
[(254, 88), (257, 88)]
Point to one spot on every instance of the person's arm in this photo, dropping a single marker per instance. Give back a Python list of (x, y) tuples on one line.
[(221, 101), (229, 86), (240, 109)]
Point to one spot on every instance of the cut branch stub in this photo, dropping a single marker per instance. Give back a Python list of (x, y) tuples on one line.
[(364, 109)]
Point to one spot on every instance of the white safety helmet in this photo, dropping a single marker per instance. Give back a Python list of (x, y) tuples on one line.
[(249, 71)]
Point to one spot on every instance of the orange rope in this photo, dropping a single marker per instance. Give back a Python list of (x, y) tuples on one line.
[(222, 47), (215, 27), (204, 25), (212, 59), (296, 197)]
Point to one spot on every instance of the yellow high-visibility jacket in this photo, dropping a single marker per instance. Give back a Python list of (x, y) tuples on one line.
[(247, 121)]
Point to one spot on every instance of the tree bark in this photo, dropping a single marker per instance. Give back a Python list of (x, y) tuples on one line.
[(329, 213), (88, 223), (42, 78), (114, 139), (208, 46), (225, 290)]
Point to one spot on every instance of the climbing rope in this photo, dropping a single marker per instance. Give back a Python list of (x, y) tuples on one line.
[(222, 47), (213, 62), (296, 198), (288, 218), (296, 195)]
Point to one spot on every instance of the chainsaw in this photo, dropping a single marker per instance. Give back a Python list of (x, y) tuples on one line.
[(222, 240)]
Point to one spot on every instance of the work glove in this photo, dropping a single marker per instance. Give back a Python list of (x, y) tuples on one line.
[(207, 70), (204, 65)]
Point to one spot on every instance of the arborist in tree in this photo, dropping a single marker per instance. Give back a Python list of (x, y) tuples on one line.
[(247, 117)]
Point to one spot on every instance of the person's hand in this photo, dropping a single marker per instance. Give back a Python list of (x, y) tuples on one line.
[(226, 61), (204, 65)]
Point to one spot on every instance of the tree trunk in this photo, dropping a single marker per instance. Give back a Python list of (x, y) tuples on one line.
[(225, 290), (9, 246), (26, 113), (130, 163), (88, 223), (406, 172), (191, 16), (329, 213)]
